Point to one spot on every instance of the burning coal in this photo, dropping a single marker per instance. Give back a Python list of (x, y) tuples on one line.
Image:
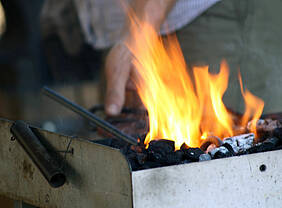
[(182, 108)]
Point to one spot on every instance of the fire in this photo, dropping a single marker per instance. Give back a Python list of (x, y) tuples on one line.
[(181, 107), (254, 106)]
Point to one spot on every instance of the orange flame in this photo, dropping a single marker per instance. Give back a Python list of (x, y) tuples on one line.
[(254, 106), (179, 109)]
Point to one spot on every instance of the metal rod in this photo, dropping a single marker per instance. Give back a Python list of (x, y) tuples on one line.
[(88, 115)]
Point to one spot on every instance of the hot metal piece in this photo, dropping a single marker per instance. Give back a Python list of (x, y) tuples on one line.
[(48, 165), (210, 140), (88, 115)]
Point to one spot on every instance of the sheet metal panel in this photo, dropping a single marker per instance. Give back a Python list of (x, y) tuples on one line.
[(97, 176), (231, 182)]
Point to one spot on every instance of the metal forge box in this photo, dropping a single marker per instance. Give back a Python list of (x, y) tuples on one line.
[(100, 176)]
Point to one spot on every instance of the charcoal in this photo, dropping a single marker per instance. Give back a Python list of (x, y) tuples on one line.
[(137, 148), (220, 152), (158, 150), (174, 157), (277, 133), (271, 142), (141, 158), (133, 162), (131, 155), (264, 125), (229, 148), (279, 147), (185, 161), (241, 142), (161, 146), (255, 149), (184, 146), (134, 165), (126, 149), (268, 145), (156, 157), (162, 152), (166, 159), (193, 153), (265, 128), (204, 157)]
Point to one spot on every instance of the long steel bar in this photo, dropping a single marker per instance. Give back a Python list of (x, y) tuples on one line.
[(88, 115)]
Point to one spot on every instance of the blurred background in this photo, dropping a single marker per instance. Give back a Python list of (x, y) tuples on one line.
[(27, 63)]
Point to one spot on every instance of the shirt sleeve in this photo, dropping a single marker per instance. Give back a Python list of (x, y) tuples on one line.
[(184, 12)]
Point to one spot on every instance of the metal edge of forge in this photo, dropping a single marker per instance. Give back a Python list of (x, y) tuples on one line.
[(100, 176), (97, 176), (247, 181)]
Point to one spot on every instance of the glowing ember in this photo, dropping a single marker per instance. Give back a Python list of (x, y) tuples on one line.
[(178, 109)]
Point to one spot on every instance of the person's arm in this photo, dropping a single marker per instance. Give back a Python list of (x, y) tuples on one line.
[(118, 62)]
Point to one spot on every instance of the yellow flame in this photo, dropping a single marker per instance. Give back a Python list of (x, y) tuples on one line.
[(179, 109), (254, 107)]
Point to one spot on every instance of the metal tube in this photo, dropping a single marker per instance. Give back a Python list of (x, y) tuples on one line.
[(47, 165), (88, 115)]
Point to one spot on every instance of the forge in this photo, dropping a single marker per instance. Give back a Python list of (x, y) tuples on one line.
[(187, 149), (108, 173), (102, 176)]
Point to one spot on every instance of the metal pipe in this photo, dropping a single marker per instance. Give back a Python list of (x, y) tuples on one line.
[(88, 115), (47, 165)]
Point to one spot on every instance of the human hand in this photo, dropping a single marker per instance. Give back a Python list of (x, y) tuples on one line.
[(119, 69), (118, 77)]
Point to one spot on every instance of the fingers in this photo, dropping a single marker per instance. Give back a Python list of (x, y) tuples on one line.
[(118, 65), (115, 93), (130, 85)]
